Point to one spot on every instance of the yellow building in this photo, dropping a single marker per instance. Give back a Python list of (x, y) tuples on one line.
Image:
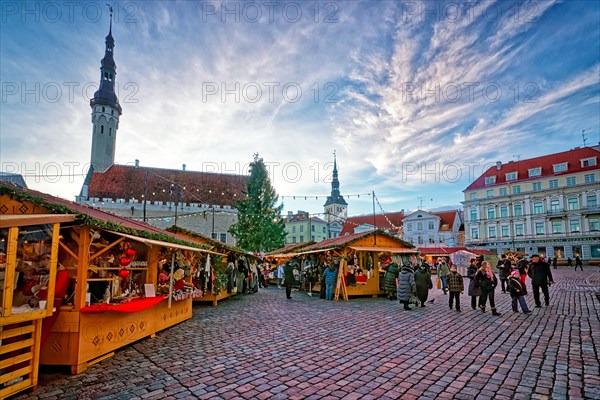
[(547, 205)]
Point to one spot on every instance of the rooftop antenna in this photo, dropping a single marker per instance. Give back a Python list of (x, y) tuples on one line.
[(421, 198), (583, 135), (517, 157)]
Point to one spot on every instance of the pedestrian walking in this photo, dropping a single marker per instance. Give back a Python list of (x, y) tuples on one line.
[(541, 277), (329, 277), (423, 282), (391, 279), (456, 286), (578, 263), (474, 291), (569, 262), (442, 272), (504, 268), (517, 292), (486, 280), (555, 262), (288, 279), (406, 285)]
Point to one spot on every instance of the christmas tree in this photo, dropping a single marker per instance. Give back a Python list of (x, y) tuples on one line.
[(260, 226)]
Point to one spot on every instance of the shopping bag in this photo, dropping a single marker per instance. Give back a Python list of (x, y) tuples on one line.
[(438, 283)]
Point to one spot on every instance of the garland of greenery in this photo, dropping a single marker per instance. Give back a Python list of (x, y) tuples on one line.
[(85, 219)]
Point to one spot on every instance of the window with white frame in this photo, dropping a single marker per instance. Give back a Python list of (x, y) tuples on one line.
[(489, 193), (516, 189), (562, 167), (537, 186), (573, 203), (554, 205), (473, 214), (539, 228), (571, 181), (503, 192), (491, 213), (490, 180), (503, 211), (594, 223), (511, 176), (589, 178), (553, 183), (518, 209), (430, 225), (588, 162), (491, 231), (591, 200), (535, 172), (556, 226), (475, 233), (472, 196), (504, 230), (419, 226), (409, 226), (519, 229), (538, 207), (574, 225)]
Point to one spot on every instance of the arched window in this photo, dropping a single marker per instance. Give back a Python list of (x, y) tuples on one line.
[(109, 131), (101, 128)]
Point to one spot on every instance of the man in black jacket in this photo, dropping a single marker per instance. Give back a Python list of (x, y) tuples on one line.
[(541, 276)]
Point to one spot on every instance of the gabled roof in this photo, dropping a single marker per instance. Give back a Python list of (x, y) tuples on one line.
[(127, 181), (290, 248), (448, 218), (572, 157), (203, 239), (343, 241), (383, 221), (91, 216)]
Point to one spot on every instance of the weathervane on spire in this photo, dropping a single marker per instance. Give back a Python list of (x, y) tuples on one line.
[(110, 10)]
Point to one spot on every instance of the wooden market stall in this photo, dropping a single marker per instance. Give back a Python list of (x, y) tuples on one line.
[(28, 266), (363, 254), (214, 279), (126, 280)]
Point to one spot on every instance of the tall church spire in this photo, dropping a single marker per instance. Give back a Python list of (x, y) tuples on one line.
[(106, 109), (335, 206)]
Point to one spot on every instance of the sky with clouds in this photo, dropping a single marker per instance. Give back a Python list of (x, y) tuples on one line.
[(416, 98)]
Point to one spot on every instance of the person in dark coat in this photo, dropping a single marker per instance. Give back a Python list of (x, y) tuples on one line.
[(555, 262), (487, 281), (504, 269), (406, 285), (517, 292), (288, 278), (541, 277), (578, 263), (474, 291), (423, 282), (391, 277)]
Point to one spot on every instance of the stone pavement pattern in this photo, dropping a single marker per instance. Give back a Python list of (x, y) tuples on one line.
[(263, 346)]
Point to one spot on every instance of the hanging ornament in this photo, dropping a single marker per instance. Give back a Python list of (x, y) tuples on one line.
[(124, 261), (124, 273), (130, 252)]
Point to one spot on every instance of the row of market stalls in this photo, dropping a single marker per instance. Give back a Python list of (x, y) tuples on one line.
[(361, 259), (77, 283)]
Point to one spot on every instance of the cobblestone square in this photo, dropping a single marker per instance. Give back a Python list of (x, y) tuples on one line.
[(263, 346)]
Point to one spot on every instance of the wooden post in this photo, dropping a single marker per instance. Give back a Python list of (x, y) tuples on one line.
[(83, 242), (340, 285)]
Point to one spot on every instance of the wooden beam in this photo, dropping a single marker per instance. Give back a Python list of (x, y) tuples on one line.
[(8, 221), (68, 250), (9, 278), (104, 250)]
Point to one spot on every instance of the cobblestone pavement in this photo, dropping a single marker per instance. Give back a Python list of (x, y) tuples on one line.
[(264, 346)]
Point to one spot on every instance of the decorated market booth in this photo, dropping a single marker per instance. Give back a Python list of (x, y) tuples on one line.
[(28, 275), (279, 256), (361, 259), (221, 275), (123, 280)]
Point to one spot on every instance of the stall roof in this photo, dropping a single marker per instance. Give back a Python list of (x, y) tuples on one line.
[(151, 242), (383, 249), (7, 221)]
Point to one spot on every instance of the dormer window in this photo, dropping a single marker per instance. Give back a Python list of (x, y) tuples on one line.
[(490, 180), (560, 167), (511, 176), (588, 162), (535, 172)]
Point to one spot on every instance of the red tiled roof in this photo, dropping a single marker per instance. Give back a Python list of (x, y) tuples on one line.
[(572, 157), (126, 182), (380, 220), (99, 215), (447, 219)]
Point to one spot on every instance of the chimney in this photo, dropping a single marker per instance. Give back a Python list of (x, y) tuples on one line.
[(137, 163), (184, 167), (499, 165)]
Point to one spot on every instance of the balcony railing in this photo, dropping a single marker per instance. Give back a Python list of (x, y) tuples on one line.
[(591, 209), (557, 212)]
